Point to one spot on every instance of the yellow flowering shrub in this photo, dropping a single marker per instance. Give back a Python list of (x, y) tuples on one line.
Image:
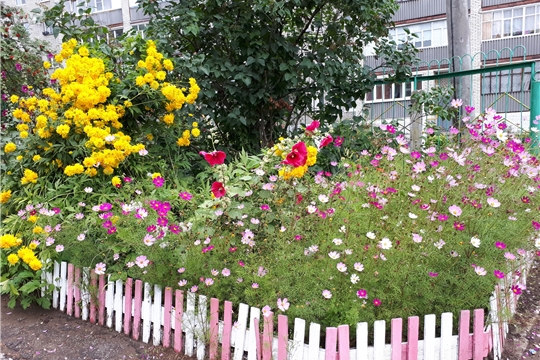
[(5, 196)]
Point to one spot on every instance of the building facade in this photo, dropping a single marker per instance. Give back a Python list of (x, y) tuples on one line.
[(501, 32)]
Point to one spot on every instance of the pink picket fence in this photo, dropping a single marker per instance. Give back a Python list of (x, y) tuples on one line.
[(195, 325)]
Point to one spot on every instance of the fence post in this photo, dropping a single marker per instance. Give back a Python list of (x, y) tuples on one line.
[(416, 125), (535, 111)]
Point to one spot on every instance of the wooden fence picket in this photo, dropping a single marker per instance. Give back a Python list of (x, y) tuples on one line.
[(80, 292)]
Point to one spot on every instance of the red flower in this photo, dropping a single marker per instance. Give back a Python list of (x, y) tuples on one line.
[(326, 141), (214, 158), (218, 189), (298, 155), (313, 126)]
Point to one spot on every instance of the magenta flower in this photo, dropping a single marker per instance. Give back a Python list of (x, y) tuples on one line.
[(416, 155), (158, 181), (433, 274), (18, 67), (516, 289), (500, 245), (151, 228), (498, 274), (107, 224), (241, 263), (111, 230), (442, 217), (265, 207), (459, 226), (536, 225), (362, 294), (105, 207), (175, 229), (377, 302), (443, 156), (184, 195)]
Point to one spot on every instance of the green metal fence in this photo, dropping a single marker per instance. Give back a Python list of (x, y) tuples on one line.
[(500, 80)]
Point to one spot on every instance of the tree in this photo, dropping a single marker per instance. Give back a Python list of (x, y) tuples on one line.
[(21, 56), (263, 64)]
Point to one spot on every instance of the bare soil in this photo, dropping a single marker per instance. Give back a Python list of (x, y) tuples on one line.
[(35, 333)]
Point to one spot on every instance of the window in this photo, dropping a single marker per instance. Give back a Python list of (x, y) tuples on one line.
[(429, 34), (20, 2), (95, 5), (47, 30), (497, 82), (517, 21), (390, 92), (140, 28)]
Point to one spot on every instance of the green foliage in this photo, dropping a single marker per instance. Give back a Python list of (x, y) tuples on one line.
[(262, 65)]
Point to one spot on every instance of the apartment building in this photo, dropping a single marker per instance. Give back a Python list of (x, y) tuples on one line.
[(501, 32)]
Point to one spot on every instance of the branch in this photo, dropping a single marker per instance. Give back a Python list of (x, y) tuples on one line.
[(317, 10)]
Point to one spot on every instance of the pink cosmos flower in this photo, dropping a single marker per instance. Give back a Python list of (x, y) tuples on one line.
[(283, 305), (455, 103), (500, 245), (516, 289), (377, 302), (326, 294), (100, 268), (498, 274), (141, 261), (455, 210), (266, 311)]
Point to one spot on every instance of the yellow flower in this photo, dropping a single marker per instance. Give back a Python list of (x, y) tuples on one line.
[(8, 240), (168, 65), (116, 181), (5, 196), (168, 119), (195, 124), (63, 130), (13, 259), (10, 147), (186, 134), (76, 169), (128, 103), (83, 51), (24, 134), (155, 175), (32, 246), (29, 177), (139, 81), (46, 64), (91, 172), (108, 170), (37, 230), (150, 137), (161, 75), (14, 98), (154, 85), (312, 156), (36, 158), (33, 218), (35, 264), (195, 132), (183, 141)]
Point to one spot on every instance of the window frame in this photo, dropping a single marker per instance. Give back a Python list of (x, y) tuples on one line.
[(494, 22)]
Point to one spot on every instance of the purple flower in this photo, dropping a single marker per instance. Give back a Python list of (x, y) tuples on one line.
[(338, 141), (500, 245), (498, 274), (184, 195), (18, 67), (433, 274), (442, 217), (158, 181), (24, 89), (516, 289), (265, 207), (459, 226), (377, 302), (362, 294)]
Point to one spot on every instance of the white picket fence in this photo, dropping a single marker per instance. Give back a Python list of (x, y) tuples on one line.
[(163, 317)]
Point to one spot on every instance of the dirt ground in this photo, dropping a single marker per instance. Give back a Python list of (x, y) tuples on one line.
[(36, 333)]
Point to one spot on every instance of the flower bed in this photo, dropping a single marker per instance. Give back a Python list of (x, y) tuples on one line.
[(305, 228)]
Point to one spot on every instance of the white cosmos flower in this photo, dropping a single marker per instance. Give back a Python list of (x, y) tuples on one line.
[(333, 255), (475, 241), (354, 278), (413, 216), (385, 243), (371, 235)]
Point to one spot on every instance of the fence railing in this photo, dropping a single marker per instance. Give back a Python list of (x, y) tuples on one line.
[(501, 79), (203, 327)]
